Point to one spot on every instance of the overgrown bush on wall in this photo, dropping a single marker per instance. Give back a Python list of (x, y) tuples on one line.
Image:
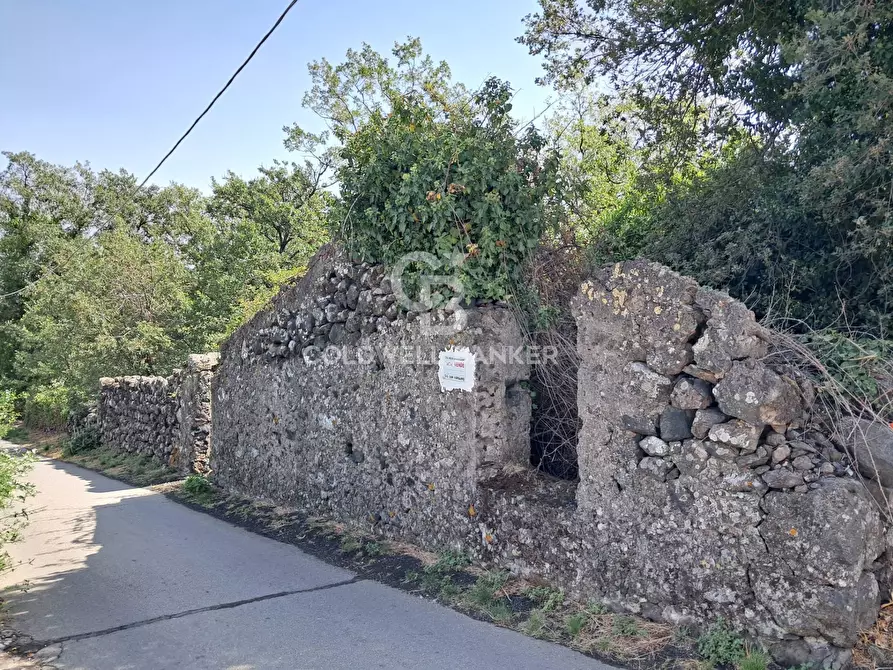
[(457, 184), (426, 166)]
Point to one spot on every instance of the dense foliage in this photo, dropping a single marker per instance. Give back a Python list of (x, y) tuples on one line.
[(100, 278), (428, 167), (8, 413), (14, 489), (749, 149), (785, 115), (462, 184)]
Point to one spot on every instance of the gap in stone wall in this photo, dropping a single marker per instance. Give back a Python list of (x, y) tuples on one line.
[(555, 423)]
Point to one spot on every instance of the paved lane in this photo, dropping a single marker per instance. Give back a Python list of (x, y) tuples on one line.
[(127, 579)]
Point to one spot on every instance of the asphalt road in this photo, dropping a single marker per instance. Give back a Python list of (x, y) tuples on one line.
[(124, 578)]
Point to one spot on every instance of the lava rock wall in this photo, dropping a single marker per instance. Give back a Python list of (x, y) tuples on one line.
[(704, 478), (329, 400), (167, 418), (707, 487)]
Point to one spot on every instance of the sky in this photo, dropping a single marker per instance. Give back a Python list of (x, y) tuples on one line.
[(117, 82)]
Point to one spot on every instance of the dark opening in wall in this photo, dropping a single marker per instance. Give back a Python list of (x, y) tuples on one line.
[(555, 422)]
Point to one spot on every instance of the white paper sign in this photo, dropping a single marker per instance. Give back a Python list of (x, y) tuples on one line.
[(456, 369)]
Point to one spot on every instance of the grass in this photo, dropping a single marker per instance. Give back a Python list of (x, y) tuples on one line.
[(136, 469), (574, 623), (437, 579), (546, 598), (17, 435), (487, 596), (754, 660), (199, 489)]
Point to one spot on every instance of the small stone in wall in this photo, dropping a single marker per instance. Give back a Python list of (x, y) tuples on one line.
[(736, 433), (705, 419), (675, 424), (653, 385), (754, 460), (656, 467), (654, 446), (693, 458), (780, 454), (691, 393), (782, 479), (802, 463), (720, 451), (639, 425)]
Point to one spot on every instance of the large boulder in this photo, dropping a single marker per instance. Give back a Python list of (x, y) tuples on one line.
[(821, 547)]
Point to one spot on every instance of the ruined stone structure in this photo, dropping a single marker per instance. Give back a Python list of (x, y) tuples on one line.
[(168, 418), (706, 487)]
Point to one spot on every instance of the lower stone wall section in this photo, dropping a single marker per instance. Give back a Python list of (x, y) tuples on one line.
[(167, 418)]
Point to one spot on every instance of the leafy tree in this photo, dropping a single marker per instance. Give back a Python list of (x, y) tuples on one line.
[(117, 305), (286, 205), (795, 212), (347, 95)]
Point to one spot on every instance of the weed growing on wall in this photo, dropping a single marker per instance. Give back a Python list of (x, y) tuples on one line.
[(721, 645)]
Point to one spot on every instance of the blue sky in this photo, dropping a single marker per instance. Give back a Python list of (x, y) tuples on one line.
[(116, 82)]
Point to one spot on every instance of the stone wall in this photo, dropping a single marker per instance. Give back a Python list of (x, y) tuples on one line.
[(363, 431), (167, 418), (707, 489)]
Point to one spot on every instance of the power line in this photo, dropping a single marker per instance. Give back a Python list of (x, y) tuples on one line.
[(222, 90)]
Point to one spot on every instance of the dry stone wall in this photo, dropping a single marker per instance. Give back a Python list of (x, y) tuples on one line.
[(707, 488), (362, 430), (167, 418)]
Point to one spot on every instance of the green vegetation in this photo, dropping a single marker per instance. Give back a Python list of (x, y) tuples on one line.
[(546, 598), (764, 143), (8, 413), (98, 278), (487, 596), (721, 645), (574, 623), (83, 440), (748, 150), (754, 660), (14, 489), (46, 407), (197, 485), (135, 469), (437, 579)]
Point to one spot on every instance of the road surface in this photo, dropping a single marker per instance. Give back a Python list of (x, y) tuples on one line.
[(124, 578)]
